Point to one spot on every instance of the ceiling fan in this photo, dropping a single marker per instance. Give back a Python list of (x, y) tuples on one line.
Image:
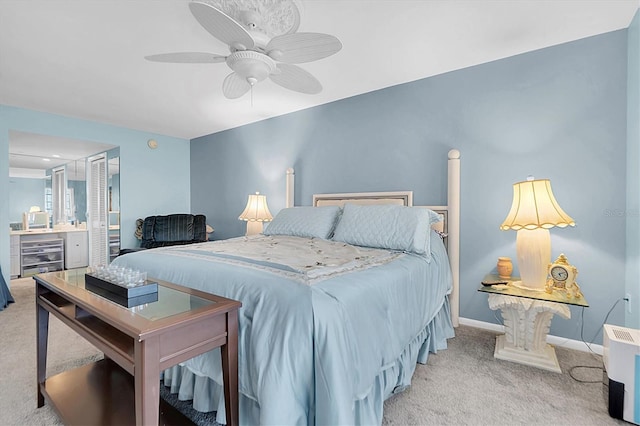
[(263, 42)]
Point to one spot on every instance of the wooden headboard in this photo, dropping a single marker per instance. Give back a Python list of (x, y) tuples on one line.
[(450, 214)]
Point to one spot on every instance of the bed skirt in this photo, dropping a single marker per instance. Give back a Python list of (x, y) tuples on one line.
[(207, 394)]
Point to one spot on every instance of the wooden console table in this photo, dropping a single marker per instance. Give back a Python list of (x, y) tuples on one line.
[(138, 343)]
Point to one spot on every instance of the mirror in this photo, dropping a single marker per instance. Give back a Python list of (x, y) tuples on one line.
[(33, 160), (59, 199), (76, 192)]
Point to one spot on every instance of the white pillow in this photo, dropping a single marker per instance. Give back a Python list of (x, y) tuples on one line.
[(386, 226), (310, 222)]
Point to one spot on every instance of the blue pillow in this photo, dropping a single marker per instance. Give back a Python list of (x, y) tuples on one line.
[(433, 217), (386, 226), (310, 222)]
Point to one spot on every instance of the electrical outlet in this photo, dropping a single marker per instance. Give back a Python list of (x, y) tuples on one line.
[(627, 299)]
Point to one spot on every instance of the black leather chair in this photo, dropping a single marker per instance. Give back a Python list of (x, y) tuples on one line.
[(170, 230), (173, 229)]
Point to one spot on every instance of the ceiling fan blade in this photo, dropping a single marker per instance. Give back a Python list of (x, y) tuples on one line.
[(235, 86), (294, 78), (297, 48), (222, 26), (187, 58)]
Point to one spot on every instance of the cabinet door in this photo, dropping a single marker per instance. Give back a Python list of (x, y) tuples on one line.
[(76, 250), (15, 256)]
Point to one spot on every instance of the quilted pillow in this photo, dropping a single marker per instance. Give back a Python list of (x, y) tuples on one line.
[(386, 226), (310, 222)]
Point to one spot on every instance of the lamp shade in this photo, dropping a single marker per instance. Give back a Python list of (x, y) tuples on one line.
[(256, 209), (534, 207)]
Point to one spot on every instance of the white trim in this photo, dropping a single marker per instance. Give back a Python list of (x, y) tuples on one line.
[(561, 342), (453, 230)]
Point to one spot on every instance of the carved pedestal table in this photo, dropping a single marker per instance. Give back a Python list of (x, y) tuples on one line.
[(527, 317), (527, 323)]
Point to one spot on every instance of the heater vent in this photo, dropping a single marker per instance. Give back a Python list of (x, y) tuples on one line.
[(623, 335)]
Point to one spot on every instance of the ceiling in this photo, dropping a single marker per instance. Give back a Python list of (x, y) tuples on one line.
[(85, 59), (30, 155)]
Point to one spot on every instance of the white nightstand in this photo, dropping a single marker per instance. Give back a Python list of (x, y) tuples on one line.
[(527, 317)]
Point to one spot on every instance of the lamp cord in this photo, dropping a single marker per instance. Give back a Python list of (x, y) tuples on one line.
[(584, 366), (590, 343), (599, 329)]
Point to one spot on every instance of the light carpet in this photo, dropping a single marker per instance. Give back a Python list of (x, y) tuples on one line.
[(463, 385)]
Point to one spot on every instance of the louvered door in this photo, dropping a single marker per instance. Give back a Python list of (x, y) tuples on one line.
[(97, 218)]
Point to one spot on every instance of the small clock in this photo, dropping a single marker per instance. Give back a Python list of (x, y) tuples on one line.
[(559, 273), (562, 276)]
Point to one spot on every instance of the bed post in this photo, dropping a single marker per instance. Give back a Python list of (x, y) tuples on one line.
[(453, 202), (290, 188)]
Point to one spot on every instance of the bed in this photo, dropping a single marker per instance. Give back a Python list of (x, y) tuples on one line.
[(334, 316)]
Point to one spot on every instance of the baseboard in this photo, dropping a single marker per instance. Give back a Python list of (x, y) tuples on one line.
[(561, 342)]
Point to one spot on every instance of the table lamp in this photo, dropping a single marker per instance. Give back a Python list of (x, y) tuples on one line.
[(255, 213), (533, 212)]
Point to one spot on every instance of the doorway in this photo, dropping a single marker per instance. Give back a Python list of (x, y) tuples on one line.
[(32, 161)]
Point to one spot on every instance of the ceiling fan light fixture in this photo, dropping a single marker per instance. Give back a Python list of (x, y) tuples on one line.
[(263, 40), (276, 54), (249, 64), (236, 46), (271, 17)]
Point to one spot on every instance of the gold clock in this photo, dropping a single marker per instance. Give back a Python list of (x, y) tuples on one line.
[(562, 276)]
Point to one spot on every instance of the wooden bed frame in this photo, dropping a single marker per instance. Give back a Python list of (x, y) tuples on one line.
[(450, 213)]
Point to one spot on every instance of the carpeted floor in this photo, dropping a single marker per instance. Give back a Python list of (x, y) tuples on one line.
[(466, 385), (461, 385)]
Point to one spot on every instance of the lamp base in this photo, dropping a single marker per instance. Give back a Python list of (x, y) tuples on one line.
[(533, 249), (254, 228)]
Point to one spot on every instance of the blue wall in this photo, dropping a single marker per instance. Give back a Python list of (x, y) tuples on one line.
[(152, 181), (557, 113), (633, 174)]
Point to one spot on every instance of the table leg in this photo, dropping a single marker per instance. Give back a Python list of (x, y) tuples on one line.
[(229, 353), (527, 323), (147, 381), (42, 334)]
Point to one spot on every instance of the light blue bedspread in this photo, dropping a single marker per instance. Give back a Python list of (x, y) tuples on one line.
[(316, 347)]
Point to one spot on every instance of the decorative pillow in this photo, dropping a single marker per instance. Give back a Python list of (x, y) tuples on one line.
[(386, 226), (433, 217), (310, 222), (138, 232)]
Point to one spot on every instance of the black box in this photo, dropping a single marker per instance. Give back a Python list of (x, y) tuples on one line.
[(124, 301), (123, 291)]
